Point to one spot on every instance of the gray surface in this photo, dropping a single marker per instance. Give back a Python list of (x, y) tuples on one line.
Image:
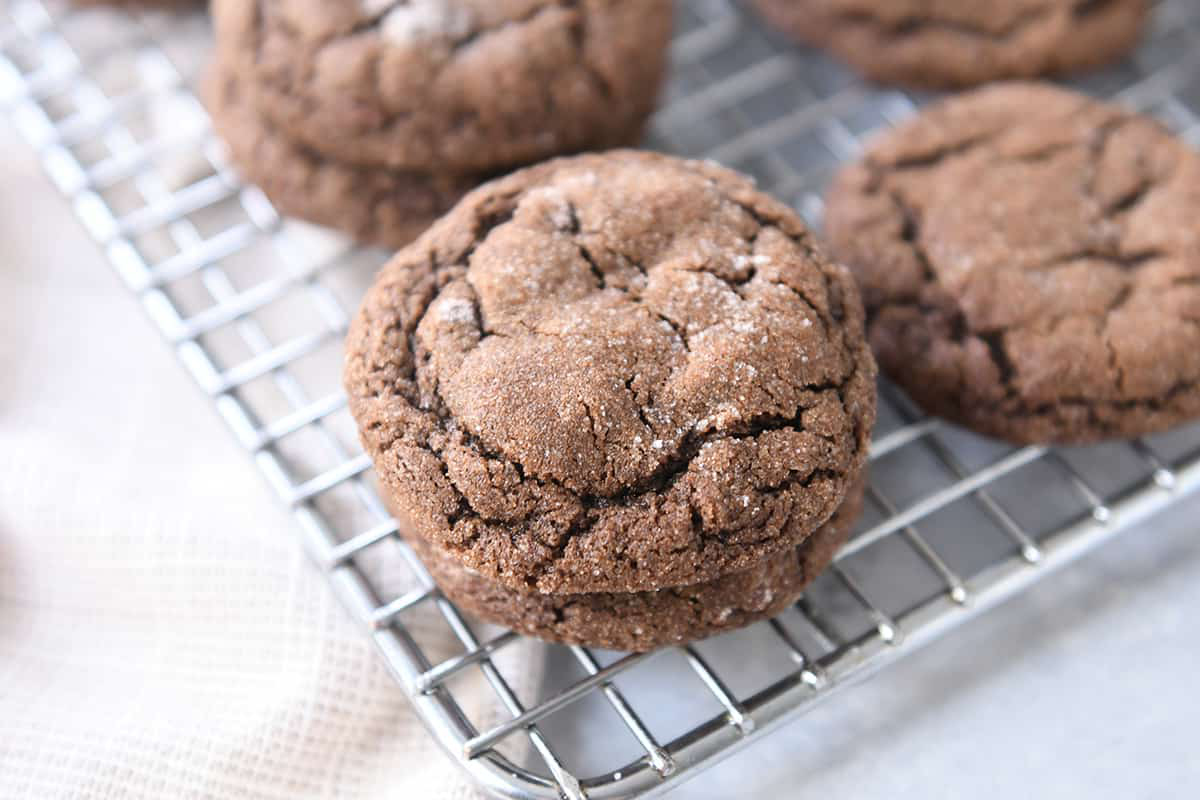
[(1084, 687)]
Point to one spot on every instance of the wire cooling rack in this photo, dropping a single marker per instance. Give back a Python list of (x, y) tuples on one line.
[(255, 308)]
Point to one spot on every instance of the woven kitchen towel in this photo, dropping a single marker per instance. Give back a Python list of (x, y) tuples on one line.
[(161, 634)]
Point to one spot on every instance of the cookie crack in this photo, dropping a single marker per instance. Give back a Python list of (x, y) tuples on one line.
[(680, 333), (597, 273), (1125, 261), (910, 234), (669, 471), (369, 21), (1114, 363), (916, 25), (1040, 155), (579, 37), (1133, 198), (879, 171), (639, 408), (1096, 147), (996, 348), (796, 479), (659, 481), (804, 242), (1085, 8), (1157, 403)]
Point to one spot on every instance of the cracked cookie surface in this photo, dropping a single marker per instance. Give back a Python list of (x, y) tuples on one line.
[(956, 43), (1030, 262), (450, 85), (640, 621), (376, 205), (612, 373)]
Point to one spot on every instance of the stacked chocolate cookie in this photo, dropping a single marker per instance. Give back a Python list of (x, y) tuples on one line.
[(620, 400), (374, 117)]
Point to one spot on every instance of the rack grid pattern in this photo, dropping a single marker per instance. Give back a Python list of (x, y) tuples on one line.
[(255, 307)]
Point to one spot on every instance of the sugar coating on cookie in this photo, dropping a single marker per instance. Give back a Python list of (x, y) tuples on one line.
[(420, 20), (641, 621), (1030, 261), (450, 86), (613, 373), (955, 43)]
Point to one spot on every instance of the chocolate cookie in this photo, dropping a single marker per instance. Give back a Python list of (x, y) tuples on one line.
[(1030, 261), (450, 85), (613, 373), (640, 621), (952, 43), (372, 204)]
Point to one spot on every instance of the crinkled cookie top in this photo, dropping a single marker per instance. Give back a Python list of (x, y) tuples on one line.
[(449, 86), (613, 373), (1030, 261)]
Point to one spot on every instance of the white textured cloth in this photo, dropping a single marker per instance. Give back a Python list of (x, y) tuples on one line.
[(161, 633)]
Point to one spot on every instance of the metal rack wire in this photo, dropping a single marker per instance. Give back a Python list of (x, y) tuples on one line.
[(255, 307)]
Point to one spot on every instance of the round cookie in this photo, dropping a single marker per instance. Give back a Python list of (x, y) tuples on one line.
[(1030, 261), (641, 621), (956, 43), (450, 85), (376, 205), (612, 373)]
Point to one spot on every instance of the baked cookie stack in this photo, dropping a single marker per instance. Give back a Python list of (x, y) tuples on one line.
[(619, 400), (375, 116)]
